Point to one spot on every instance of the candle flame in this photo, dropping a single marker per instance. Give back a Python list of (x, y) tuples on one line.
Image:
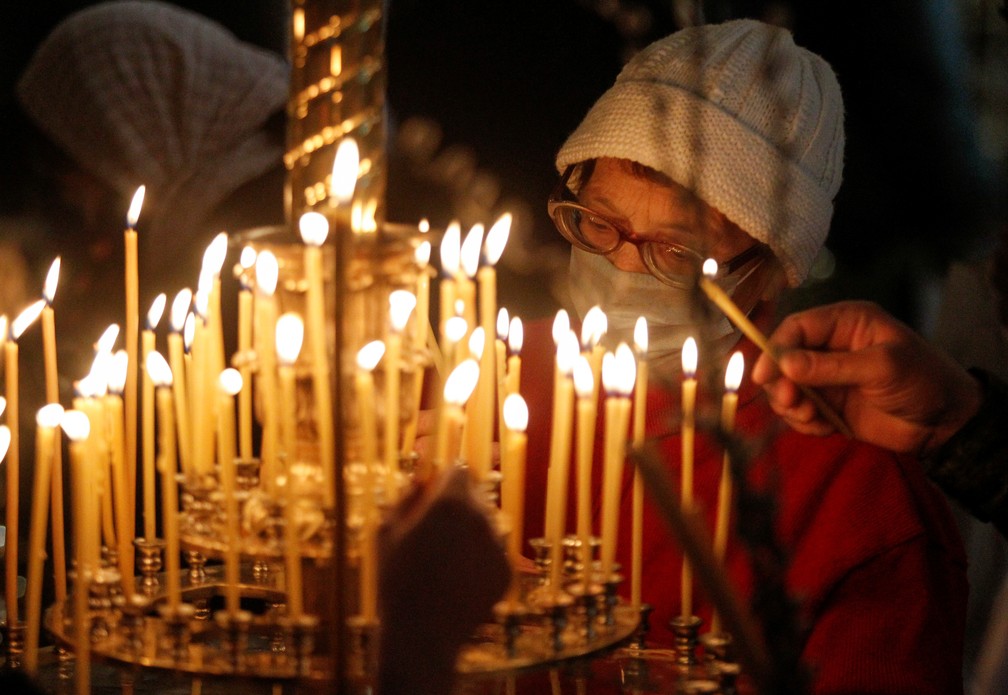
[(451, 249), (610, 380), (710, 268), (497, 238), (516, 414), (459, 307), (469, 254), (3, 329), (267, 271), (108, 339), (593, 327), (201, 303), (76, 425), (689, 358), (314, 228), (49, 415), (401, 305), (52, 279), (289, 337), (370, 355), (516, 335), (89, 387), (460, 383), (477, 342), (5, 439), (567, 351), (189, 331), (626, 369), (733, 373), (640, 336), (156, 310), (3, 405), (423, 225), (422, 253), (26, 318), (230, 381), (561, 325), (216, 252), (247, 258), (584, 380), (179, 309), (346, 166), (158, 369), (502, 324), (115, 371), (133, 214), (456, 328)]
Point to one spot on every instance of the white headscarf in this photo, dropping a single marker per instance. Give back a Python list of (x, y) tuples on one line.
[(148, 93)]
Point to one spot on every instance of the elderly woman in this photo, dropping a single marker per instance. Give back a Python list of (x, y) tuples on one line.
[(726, 141)]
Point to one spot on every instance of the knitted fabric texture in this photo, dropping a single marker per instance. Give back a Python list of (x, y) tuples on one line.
[(147, 93), (738, 113)]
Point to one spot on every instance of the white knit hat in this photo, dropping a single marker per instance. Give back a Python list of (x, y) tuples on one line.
[(729, 110)]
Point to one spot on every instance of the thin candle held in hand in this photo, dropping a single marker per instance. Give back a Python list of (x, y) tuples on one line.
[(721, 299)]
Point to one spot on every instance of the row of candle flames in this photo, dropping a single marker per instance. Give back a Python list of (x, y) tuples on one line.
[(205, 412)]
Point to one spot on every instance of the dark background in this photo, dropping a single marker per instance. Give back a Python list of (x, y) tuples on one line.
[(494, 87)]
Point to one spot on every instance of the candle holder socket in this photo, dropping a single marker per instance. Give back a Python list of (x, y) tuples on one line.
[(14, 644), (149, 563), (685, 630)]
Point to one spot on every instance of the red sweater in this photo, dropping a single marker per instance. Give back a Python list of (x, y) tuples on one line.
[(875, 559)]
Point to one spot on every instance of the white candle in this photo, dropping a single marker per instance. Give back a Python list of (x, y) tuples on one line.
[(639, 420), (314, 230), (48, 422), (689, 386), (149, 486)]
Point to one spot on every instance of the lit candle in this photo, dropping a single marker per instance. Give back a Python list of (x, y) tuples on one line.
[(289, 340), (593, 327), (246, 262), (421, 337), (132, 338), (469, 257), (584, 386), (557, 478), (176, 357), (639, 419), (515, 444), (516, 337), (447, 289), (229, 384), (458, 387), (723, 302), (689, 386), (203, 401), (48, 422), (161, 375), (77, 428), (267, 271), (618, 375), (401, 305), (729, 404), (289, 337), (367, 359), (147, 408), (17, 327), (486, 405), (314, 230), (53, 396)]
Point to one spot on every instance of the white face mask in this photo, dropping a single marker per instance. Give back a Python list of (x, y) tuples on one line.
[(624, 296)]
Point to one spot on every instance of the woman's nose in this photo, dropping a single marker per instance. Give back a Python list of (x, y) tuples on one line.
[(627, 258)]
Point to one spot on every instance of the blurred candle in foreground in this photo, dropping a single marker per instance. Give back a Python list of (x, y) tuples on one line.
[(48, 422), (77, 428), (176, 359), (289, 336), (246, 262)]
